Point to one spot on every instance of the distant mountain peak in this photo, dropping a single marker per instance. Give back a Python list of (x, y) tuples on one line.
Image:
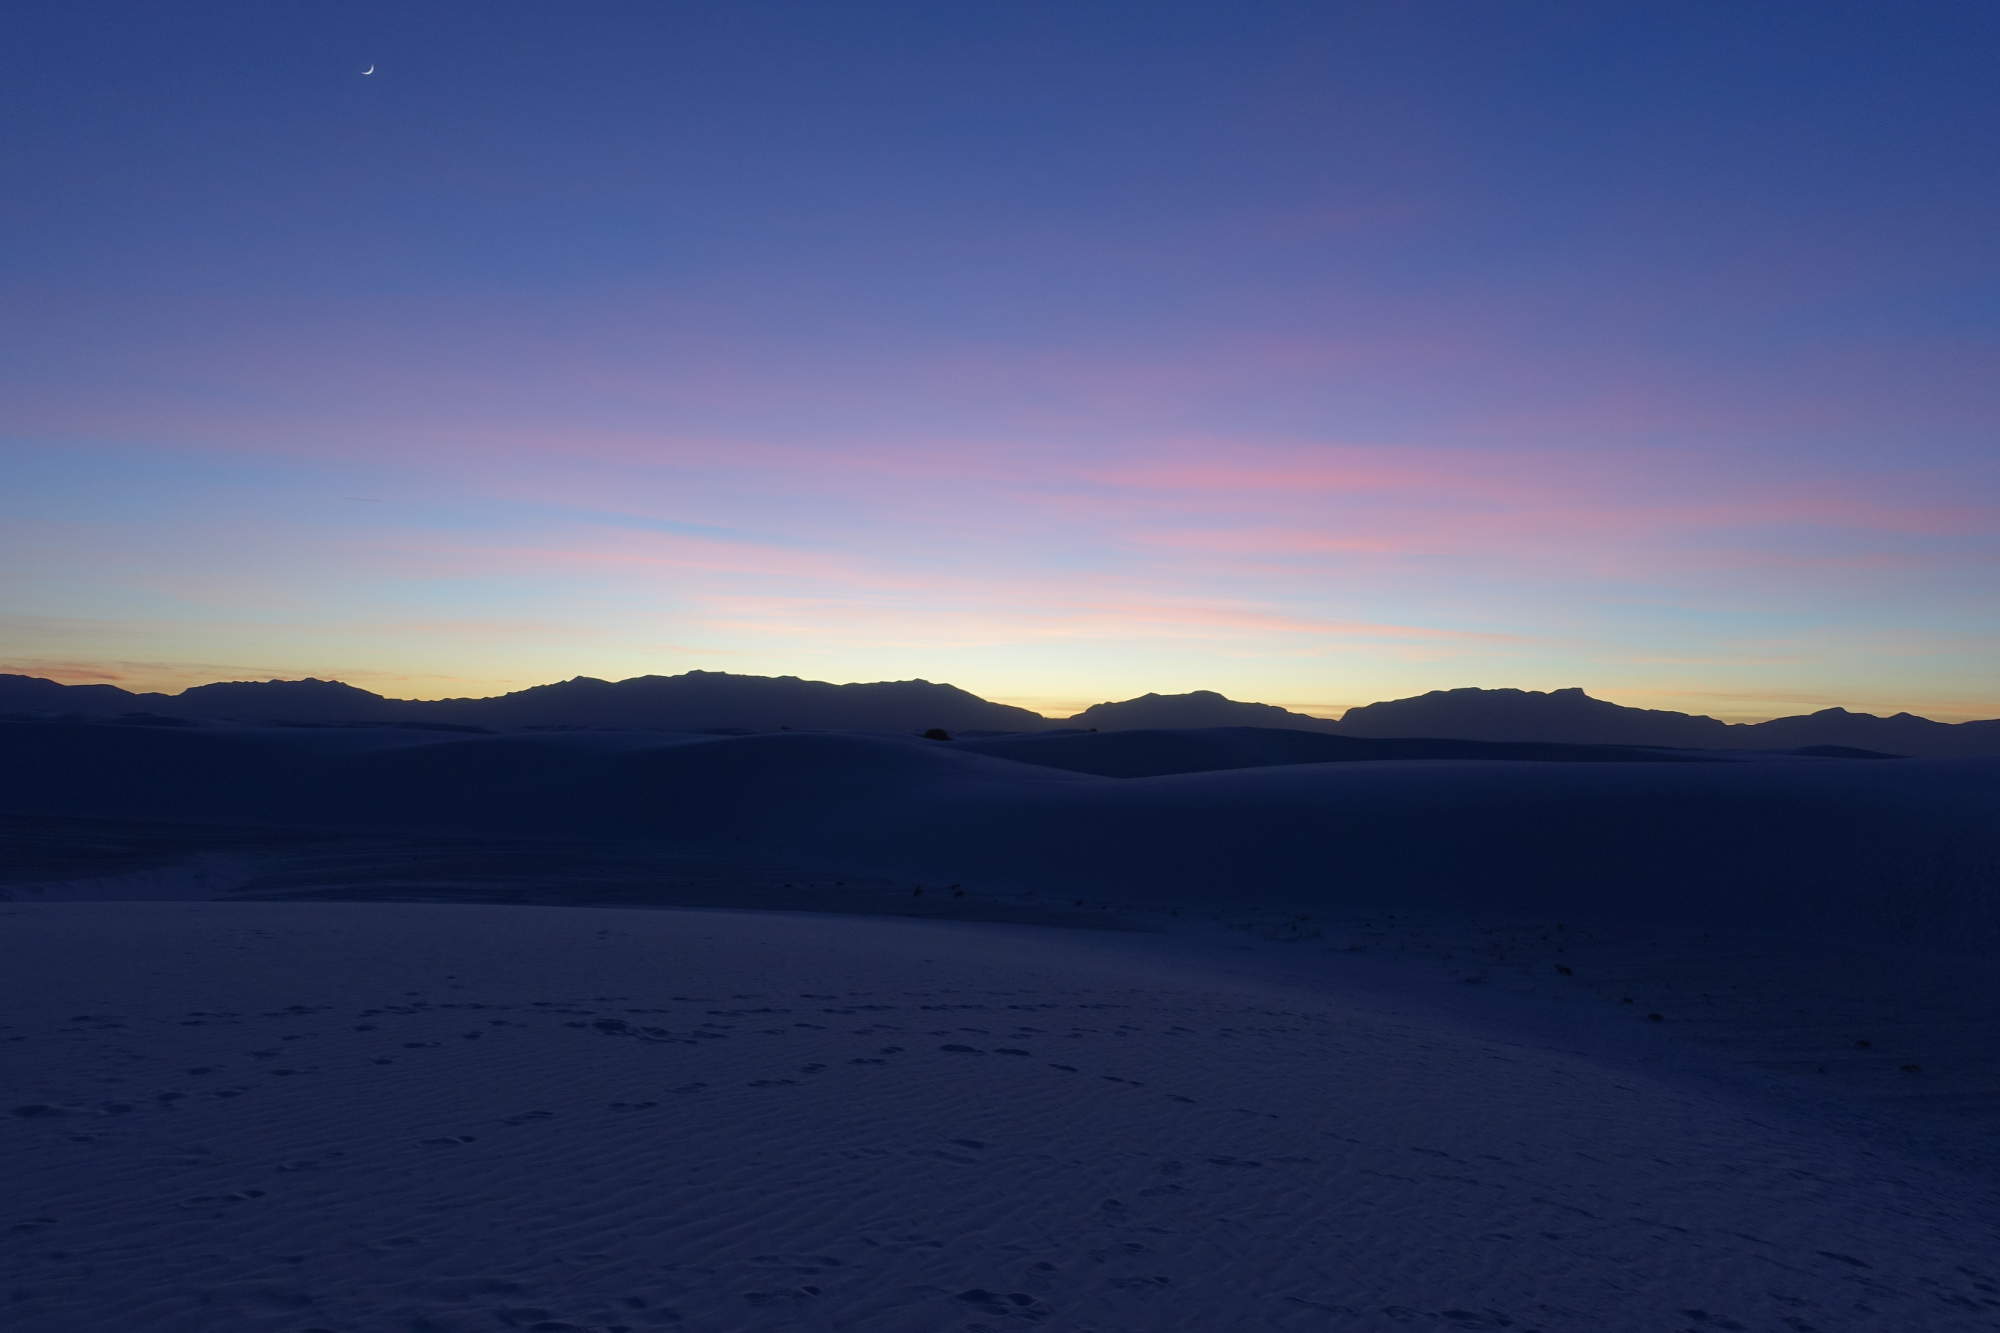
[(1197, 708), (719, 700)]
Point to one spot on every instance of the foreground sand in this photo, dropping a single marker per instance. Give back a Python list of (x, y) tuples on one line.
[(281, 1116)]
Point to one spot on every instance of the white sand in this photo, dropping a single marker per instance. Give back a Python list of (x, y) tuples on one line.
[(1370, 1048), (401, 1117)]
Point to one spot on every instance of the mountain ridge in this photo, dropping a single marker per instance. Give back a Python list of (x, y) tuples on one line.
[(723, 701)]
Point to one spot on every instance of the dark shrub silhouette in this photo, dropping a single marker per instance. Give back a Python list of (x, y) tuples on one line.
[(937, 734)]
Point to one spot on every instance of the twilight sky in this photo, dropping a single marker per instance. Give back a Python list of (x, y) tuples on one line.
[(1313, 352)]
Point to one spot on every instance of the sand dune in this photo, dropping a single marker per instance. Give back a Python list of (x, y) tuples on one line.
[(1905, 850), (1422, 1044), (1160, 752), (280, 1116)]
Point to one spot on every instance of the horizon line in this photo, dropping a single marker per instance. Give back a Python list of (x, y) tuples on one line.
[(1300, 710)]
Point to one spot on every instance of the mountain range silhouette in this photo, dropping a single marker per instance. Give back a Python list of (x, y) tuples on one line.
[(721, 701)]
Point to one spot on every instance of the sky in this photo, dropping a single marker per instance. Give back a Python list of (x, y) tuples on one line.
[(1316, 353)]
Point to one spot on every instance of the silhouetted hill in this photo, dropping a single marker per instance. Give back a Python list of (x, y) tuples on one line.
[(32, 694), (1568, 716), (720, 701), (696, 701), (1202, 708), (308, 700), (237, 701), (1899, 733)]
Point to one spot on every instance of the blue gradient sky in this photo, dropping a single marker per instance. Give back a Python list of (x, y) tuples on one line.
[(1316, 353)]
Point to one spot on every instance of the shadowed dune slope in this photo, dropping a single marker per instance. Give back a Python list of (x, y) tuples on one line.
[(1161, 751), (621, 784), (1907, 851), (1911, 848)]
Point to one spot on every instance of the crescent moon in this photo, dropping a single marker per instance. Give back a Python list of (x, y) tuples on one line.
[(368, 71)]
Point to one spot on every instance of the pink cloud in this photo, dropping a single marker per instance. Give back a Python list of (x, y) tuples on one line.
[(617, 549), (68, 673), (1200, 617), (173, 675), (1268, 541), (1055, 612), (1265, 466), (1828, 509)]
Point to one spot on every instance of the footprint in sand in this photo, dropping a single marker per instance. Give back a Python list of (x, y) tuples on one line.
[(1009, 1305), (527, 1116)]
